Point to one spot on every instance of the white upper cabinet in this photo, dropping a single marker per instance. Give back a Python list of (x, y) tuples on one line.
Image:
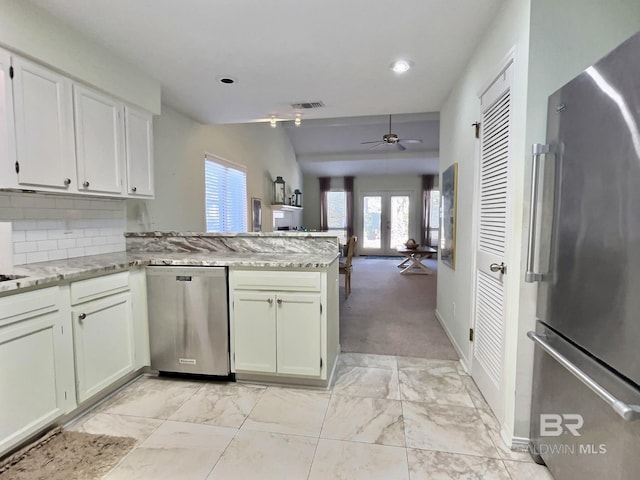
[(43, 128), (57, 135), (99, 141), (139, 152), (7, 130)]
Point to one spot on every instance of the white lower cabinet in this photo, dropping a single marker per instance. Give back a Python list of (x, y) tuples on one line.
[(278, 323), (298, 333), (61, 345), (255, 331), (36, 363), (103, 332)]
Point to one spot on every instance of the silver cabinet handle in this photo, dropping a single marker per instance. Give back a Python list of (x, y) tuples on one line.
[(82, 316), (133, 189), (67, 182), (502, 268), (270, 300), (279, 301), (537, 150), (85, 184), (626, 411)]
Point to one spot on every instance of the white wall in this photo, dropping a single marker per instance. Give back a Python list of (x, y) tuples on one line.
[(30, 31), (180, 144), (554, 41), (509, 30)]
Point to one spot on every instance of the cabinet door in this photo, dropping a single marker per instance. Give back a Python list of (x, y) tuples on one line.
[(32, 395), (99, 141), (139, 153), (103, 342), (44, 127), (298, 329), (7, 130), (254, 323)]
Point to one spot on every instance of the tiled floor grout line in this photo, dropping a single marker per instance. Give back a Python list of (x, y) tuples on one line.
[(263, 390), (501, 460), (324, 418)]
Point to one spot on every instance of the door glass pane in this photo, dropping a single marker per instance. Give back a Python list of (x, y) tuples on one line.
[(372, 206), (399, 220)]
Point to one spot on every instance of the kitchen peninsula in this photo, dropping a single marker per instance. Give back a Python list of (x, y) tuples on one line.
[(82, 322), (283, 297)]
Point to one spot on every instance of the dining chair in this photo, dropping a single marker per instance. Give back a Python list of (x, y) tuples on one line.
[(345, 267)]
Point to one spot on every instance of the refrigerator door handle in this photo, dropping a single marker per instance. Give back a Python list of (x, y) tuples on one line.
[(537, 150), (626, 411)]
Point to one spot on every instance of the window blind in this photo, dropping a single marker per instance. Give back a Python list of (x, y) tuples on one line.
[(225, 195)]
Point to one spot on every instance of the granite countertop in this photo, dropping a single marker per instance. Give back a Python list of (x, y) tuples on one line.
[(43, 273)]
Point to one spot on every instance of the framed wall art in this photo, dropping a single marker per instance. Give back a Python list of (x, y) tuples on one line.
[(256, 214), (448, 220)]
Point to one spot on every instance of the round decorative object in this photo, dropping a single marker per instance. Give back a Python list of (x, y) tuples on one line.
[(411, 244)]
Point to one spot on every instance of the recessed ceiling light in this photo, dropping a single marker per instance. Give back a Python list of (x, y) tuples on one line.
[(401, 66), (273, 121), (227, 79)]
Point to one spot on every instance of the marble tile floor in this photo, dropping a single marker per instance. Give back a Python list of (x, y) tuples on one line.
[(386, 417)]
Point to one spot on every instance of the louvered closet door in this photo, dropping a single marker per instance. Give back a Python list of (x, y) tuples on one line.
[(493, 217)]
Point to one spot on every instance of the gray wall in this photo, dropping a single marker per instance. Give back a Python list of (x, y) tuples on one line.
[(180, 145)]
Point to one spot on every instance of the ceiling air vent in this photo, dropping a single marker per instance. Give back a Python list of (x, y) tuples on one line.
[(306, 105)]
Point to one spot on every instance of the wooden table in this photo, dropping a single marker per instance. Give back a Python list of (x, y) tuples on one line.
[(415, 256)]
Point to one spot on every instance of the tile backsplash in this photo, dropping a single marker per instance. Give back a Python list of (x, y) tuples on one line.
[(53, 227)]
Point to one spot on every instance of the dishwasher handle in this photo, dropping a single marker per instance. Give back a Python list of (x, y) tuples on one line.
[(183, 278)]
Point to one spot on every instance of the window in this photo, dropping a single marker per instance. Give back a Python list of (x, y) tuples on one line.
[(225, 195), (433, 227), (337, 214)]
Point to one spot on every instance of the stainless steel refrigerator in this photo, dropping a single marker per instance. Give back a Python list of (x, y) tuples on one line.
[(584, 252)]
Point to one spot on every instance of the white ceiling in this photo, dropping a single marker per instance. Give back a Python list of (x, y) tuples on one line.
[(288, 51)]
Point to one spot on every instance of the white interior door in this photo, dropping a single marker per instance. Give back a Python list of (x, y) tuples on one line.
[(386, 221), (491, 241)]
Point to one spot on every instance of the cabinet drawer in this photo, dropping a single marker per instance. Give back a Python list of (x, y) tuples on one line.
[(92, 288), (21, 306), (276, 280)]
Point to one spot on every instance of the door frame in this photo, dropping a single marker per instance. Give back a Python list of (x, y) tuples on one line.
[(385, 193), (507, 61)]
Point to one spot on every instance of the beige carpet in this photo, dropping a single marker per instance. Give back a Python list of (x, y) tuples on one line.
[(67, 456), (391, 314)]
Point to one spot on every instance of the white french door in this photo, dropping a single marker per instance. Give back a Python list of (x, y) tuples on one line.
[(492, 229), (387, 221)]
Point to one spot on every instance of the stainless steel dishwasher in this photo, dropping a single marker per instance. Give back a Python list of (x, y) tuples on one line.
[(188, 319)]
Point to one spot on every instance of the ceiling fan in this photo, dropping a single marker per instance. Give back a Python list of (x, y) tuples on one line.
[(391, 139)]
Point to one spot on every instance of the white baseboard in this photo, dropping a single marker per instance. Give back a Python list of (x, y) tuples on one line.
[(514, 443), (463, 356)]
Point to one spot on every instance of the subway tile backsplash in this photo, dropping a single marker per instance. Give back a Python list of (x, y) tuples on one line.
[(54, 227)]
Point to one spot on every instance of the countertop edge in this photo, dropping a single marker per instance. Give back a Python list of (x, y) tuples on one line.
[(51, 273)]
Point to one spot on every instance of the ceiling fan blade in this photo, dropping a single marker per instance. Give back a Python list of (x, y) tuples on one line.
[(400, 146), (410, 140), (378, 145), (374, 141)]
